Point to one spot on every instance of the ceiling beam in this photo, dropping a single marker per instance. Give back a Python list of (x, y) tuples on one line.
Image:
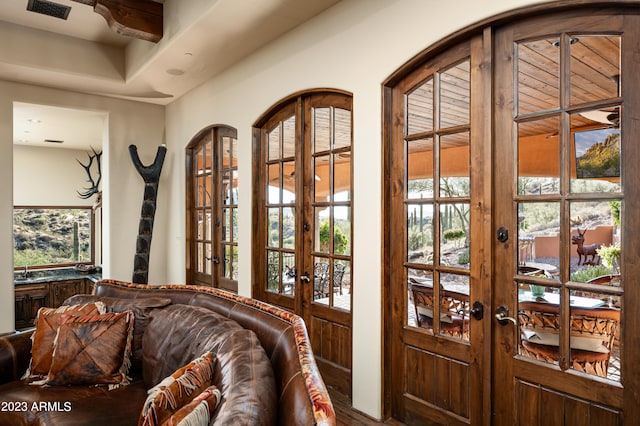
[(134, 18)]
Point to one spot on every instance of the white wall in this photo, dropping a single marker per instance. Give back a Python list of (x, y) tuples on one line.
[(128, 123), (44, 176), (7, 305), (353, 46)]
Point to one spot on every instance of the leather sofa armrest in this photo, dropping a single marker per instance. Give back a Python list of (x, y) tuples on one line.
[(15, 354)]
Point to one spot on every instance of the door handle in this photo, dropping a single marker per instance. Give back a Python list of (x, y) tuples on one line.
[(305, 278), (478, 310), (502, 234), (502, 315)]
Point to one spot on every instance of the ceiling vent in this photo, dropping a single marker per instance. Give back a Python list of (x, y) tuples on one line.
[(49, 8)]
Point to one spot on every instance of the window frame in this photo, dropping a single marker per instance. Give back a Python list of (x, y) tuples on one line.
[(92, 224)]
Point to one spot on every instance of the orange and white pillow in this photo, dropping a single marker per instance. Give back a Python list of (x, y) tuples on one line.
[(198, 412), (177, 391)]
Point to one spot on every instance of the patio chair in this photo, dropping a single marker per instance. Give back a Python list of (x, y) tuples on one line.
[(611, 279), (592, 335), (338, 274), (273, 276), (320, 280), (454, 309)]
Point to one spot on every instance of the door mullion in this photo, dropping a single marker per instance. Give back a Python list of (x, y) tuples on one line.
[(303, 206)]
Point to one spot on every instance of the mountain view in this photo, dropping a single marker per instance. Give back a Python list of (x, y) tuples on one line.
[(601, 159), (51, 236)]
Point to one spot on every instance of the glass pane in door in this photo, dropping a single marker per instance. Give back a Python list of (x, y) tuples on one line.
[(454, 235), (322, 177), (597, 153), (454, 306), (455, 165), (420, 298), (321, 129), (420, 108), (420, 233), (342, 128), (420, 168), (341, 176), (539, 156), (342, 284), (455, 90), (538, 75), (539, 238), (595, 67), (595, 240)]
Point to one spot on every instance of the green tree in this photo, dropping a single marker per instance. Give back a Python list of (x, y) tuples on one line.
[(340, 239)]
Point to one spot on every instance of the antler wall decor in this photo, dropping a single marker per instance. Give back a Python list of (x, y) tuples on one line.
[(95, 184), (151, 176)]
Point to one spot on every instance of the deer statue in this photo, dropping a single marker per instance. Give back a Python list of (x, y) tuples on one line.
[(585, 251)]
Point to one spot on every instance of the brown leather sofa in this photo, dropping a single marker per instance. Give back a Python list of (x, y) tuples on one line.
[(266, 376)]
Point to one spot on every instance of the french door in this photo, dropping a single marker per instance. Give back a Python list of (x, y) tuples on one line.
[(212, 208), (564, 206), (512, 202), (438, 232), (303, 226)]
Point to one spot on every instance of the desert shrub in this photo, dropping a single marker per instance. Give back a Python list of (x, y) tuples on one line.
[(464, 258), (453, 234), (590, 272)]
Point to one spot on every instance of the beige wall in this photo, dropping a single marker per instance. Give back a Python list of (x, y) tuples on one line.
[(48, 176)]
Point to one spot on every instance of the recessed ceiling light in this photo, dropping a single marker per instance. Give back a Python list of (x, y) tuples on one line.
[(175, 71), (34, 120)]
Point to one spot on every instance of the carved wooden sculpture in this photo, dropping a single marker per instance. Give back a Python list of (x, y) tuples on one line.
[(151, 176)]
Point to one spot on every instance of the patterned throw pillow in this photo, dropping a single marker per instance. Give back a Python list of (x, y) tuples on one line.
[(198, 412), (141, 308), (177, 390), (47, 322), (92, 349)]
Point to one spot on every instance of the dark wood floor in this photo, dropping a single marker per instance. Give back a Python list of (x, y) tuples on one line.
[(347, 416)]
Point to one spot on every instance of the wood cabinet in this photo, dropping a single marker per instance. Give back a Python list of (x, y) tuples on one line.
[(62, 290), (31, 297)]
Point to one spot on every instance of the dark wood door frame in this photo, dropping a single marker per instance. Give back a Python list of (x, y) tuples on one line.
[(329, 327), (216, 132)]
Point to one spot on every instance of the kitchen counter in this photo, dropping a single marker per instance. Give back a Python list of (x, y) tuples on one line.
[(50, 275)]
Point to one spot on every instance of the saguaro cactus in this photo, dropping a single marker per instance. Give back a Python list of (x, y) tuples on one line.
[(151, 176), (76, 242)]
